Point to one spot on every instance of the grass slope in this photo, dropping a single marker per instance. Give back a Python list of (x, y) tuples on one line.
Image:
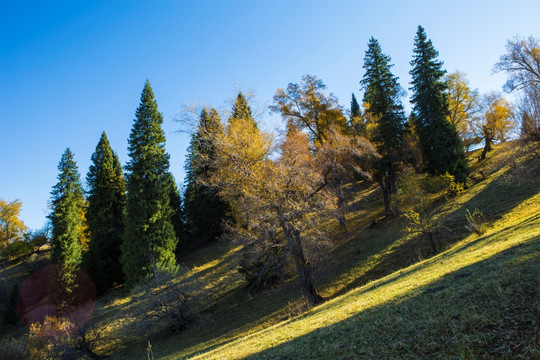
[(477, 299)]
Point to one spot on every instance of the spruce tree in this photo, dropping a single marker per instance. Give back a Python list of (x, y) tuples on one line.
[(242, 110), (67, 220), (149, 239), (105, 216), (382, 97), (441, 146), (355, 107), (205, 211)]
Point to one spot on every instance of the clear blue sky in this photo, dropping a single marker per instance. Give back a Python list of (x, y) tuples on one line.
[(72, 69)]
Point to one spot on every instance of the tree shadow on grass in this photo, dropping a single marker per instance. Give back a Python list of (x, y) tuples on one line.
[(465, 310)]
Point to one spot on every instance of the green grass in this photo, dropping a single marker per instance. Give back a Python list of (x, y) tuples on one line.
[(478, 298)]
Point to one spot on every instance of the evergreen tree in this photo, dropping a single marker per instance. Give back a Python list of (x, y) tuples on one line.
[(382, 99), (355, 107), (442, 149), (106, 204), (67, 220), (177, 217), (205, 211), (149, 239), (242, 110), (356, 122)]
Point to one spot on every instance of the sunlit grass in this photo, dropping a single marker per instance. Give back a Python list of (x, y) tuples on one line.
[(348, 319)]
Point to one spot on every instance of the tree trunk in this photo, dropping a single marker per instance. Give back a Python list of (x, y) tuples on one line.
[(487, 147), (387, 196), (302, 267), (340, 211)]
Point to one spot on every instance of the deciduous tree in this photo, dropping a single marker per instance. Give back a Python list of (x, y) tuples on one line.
[(495, 121), (463, 104), (522, 64), (11, 226), (307, 107)]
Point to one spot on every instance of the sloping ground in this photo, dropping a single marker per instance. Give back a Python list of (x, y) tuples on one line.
[(477, 299)]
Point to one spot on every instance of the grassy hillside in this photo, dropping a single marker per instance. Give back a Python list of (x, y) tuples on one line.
[(477, 298)]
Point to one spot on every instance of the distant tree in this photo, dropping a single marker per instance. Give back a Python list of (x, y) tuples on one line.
[(242, 110), (205, 211), (522, 64), (441, 147), (463, 103), (149, 236), (307, 107), (356, 124), (382, 101), (11, 226), (105, 216), (67, 204), (178, 217), (494, 123)]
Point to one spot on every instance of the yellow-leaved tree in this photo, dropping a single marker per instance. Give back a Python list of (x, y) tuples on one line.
[(463, 103), (11, 226), (495, 122)]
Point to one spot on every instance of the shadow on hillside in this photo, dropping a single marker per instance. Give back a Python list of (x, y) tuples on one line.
[(498, 198), (406, 326)]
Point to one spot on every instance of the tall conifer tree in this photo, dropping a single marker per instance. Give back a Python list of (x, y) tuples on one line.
[(205, 211), (67, 217), (105, 216), (382, 99), (442, 149), (149, 239)]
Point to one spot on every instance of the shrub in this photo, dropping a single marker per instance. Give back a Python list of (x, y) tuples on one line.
[(262, 266), (164, 303), (417, 200), (476, 222), (443, 185), (59, 338), (11, 349)]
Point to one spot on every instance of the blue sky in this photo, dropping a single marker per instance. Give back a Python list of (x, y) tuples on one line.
[(72, 69)]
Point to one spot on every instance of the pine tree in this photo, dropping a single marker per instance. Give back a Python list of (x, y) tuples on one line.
[(68, 204), (442, 149), (105, 216), (205, 211), (149, 239), (382, 99)]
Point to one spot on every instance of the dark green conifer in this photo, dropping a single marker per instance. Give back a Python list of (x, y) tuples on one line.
[(149, 239), (67, 202), (355, 107), (105, 216), (382, 98), (205, 211), (441, 146), (67, 220), (241, 109)]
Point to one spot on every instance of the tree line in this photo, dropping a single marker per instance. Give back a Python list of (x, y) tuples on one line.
[(266, 189)]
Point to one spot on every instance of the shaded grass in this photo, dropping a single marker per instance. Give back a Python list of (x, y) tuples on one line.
[(476, 300)]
